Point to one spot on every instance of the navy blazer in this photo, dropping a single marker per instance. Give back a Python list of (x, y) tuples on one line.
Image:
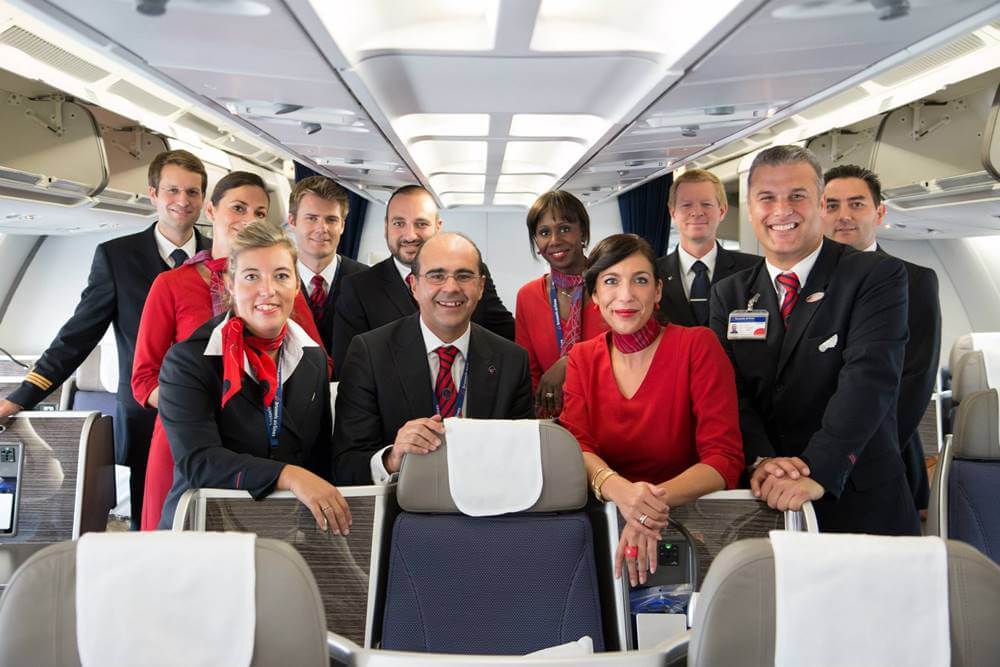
[(120, 277), (386, 382), (836, 407), (228, 448), (379, 296), (674, 302), (345, 267)]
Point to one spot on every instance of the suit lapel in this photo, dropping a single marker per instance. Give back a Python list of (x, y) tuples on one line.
[(674, 288), (409, 357), (483, 382), (725, 265), (250, 395), (804, 310), (201, 242), (768, 301), (396, 290), (151, 262)]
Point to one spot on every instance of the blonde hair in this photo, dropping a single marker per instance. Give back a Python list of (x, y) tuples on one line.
[(697, 176), (259, 234)]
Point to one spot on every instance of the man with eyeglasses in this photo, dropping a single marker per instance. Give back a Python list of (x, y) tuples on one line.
[(120, 276), (401, 380), (380, 295)]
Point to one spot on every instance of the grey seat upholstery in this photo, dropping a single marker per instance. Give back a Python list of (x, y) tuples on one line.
[(38, 611), (968, 375), (734, 621), (92, 387)]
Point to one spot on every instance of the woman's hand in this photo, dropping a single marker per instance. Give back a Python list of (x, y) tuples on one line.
[(548, 397), (153, 400), (641, 502), (635, 540), (323, 499)]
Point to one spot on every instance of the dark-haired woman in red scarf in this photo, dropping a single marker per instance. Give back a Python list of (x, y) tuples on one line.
[(182, 300), (245, 401), (553, 312)]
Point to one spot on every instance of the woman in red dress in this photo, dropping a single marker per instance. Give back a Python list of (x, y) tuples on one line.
[(553, 312), (653, 406), (183, 299)]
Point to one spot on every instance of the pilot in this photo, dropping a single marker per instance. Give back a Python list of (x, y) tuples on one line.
[(554, 312), (380, 295), (653, 407), (853, 212), (821, 331), (317, 211), (401, 380), (120, 276), (245, 400), (697, 204)]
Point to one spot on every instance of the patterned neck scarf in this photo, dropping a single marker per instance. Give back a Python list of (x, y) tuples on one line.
[(574, 323), (237, 342), (640, 340), (217, 283)]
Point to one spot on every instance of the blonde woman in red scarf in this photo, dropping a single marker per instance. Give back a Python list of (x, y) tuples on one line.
[(245, 400), (182, 300), (553, 312)]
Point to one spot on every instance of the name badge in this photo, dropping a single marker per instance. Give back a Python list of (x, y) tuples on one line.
[(747, 325)]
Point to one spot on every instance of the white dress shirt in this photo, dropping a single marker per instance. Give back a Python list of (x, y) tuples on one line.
[(431, 343), (292, 348), (801, 270), (165, 246), (329, 274), (687, 260), (873, 247), (403, 269)]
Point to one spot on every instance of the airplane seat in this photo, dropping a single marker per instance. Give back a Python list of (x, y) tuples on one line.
[(964, 494), (92, 386), (735, 618), (38, 610), (508, 584)]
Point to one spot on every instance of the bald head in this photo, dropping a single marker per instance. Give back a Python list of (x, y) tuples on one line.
[(447, 283)]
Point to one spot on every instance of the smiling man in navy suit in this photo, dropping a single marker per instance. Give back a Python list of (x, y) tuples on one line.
[(816, 334)]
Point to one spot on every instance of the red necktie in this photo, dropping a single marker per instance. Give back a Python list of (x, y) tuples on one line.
[(444, 387), (790, 282), (317, 298)]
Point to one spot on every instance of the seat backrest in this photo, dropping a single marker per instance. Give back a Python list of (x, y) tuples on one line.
[(38, 611), (735, 616), (95, 383), (507, 584), (968, 375)]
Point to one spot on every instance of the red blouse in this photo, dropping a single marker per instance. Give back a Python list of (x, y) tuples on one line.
[(535, 331), (683, 413)]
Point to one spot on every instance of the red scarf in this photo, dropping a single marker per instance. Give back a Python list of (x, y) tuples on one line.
[(217, 283), (574, 323), (237, 343), (640, 340)]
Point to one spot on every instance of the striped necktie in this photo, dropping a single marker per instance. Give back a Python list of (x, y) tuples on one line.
[(444, 387), (790, 282), (317, 298)]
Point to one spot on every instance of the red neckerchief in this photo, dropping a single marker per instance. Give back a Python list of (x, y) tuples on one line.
[(237, 343), (217, 284), (574, 323), (640, 340)]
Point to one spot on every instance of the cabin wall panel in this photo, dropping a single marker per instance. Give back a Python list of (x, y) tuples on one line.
[(14, 250)]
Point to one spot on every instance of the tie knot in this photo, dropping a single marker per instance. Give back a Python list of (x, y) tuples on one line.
[(699, 267), (447, 354), (789, 281), (317, 281), (178, 257)]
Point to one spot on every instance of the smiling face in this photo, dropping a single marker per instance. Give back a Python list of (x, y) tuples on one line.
[(627, 293), (410, 220), (850, 215), (263, 289), (697, 211), (784, 208), (178, 198), (237, 209), (318, 225), (446, 308), (560, 243)]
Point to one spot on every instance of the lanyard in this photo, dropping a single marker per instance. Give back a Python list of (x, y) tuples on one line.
[(272, 413), (461, 394), (555, 315)]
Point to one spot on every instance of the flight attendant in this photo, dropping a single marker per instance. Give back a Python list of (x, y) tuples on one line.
[(182, 300), (263, 429), (652, 406), (554, 312)]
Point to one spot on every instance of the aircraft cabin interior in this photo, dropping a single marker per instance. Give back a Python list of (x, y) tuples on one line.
[(482, 111)]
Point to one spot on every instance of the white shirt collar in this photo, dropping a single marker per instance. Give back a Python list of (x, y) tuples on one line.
[(296, 340), (873, 247), (165, 246), (329, 273), (432, 342), (801, 269), (687, 259), (403, 269)]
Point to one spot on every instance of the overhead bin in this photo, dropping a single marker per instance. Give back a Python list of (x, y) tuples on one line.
[(849, 145), (129, 149)]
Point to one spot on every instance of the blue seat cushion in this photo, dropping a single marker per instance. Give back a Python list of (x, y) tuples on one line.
[(101, 401), (973, 515), (490, 585)]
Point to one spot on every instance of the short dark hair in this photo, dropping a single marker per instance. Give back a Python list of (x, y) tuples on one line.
[(614, 249), (237, 179), (854, 171), (480, 264), (322, 187), (408, 190), (787, 154), (563, 206), (181, 158)]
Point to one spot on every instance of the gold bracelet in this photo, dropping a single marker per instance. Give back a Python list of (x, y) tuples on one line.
[(597, 476), (599, 484)]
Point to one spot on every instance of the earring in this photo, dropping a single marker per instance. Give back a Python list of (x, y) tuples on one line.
[(656, 306)]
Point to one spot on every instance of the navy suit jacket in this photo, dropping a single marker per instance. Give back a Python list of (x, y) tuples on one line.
[(345, 267), (674, 303)]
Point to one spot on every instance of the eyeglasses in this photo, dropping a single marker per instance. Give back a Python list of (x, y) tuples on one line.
[(438, 278)]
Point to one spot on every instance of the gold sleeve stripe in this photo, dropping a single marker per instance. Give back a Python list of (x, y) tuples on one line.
[(38, 380)]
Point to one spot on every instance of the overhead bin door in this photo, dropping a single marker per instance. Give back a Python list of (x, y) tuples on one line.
[(850, 145), (130, 149)]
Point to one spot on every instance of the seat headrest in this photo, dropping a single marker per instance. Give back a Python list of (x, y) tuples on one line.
[(961, 346), (99, 371), (968, 375), (977, 427), (424, 484)]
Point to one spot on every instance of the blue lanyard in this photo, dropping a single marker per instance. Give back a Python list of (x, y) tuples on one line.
[(272, 413), (555, 315), (461, 394)]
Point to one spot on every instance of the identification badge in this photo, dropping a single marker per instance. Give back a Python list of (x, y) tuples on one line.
[(747, 325)]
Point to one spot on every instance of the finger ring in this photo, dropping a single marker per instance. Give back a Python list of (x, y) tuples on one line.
[(642, 519), (631, 551), (325, 508), (549, 394)]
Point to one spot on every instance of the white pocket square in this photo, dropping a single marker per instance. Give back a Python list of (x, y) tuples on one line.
[(828, 344)]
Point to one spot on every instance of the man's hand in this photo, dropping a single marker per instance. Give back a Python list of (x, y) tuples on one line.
[(548, 397), (783, 493), (417, 436), (7, 410), (781, 466)]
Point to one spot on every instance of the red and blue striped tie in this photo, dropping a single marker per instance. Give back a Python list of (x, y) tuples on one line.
[(444, 387), (790, 282)]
